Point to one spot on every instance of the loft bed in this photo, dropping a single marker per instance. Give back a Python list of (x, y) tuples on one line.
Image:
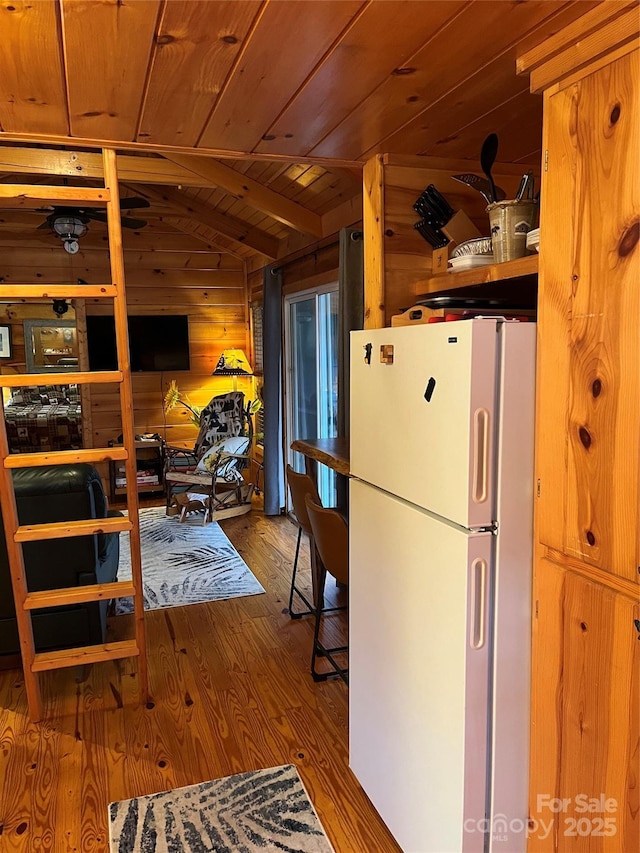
[(43, 418)]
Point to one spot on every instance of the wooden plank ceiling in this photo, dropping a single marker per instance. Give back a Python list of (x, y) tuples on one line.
[(287, 99)]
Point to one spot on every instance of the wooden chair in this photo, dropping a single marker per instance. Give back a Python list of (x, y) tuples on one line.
[(331, 538), (214, 467), (301, 485)]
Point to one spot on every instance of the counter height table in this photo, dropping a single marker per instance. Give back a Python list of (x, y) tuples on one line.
[(332, 452)]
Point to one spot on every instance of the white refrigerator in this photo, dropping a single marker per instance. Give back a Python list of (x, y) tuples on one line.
[(440, 509)]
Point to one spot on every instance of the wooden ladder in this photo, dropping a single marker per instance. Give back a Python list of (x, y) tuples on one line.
[(15, 533)]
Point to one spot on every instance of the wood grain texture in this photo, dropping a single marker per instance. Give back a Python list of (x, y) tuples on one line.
[(604, 29), (585, 713), (272, 76), (332, 452), (187, 206), (275, 66), (34, 195), (98, 376), (96, 454), (154, 253), (231, 692), (68, 291), (84, 655), (206, 286), (414, 96), (75, 595), (269, 78), (65, 529), (31, 94), (373, 206), (379, 36), (397, 259), (589, 394), (196, 45), (258, 196), (116, 260), (16, 565), (518, 268), (591, 20), (115, 39), (48, 161)]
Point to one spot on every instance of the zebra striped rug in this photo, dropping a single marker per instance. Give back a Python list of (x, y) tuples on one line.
[(264, 810), (184, 563)]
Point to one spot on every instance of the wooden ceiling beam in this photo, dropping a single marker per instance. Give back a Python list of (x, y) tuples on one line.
[(151, 148), (251, 192), (236, 230), (84, 164), (347, 213)]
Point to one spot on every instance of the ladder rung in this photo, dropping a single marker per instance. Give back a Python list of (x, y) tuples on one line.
[(65, 529), (58, 291), (97, 377), (84, 655), (33, 195), (78, 594), (63, 457)]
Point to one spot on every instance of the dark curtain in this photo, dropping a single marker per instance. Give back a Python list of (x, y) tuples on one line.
[(272, 392), (350, 316), (351, 313)]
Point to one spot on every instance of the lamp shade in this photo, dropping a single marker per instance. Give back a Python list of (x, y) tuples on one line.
[(233, 362)]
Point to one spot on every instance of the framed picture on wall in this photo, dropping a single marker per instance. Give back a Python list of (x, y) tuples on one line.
[(5, 341)]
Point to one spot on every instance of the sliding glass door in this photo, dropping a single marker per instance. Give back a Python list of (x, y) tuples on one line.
[(311, 383)]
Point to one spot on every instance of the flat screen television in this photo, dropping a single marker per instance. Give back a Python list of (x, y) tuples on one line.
[(156, 342)]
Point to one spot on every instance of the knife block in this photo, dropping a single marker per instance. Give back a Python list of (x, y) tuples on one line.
[(458, 229)]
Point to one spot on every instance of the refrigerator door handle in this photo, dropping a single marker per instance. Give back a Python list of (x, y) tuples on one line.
[(480, 455), (478, 603)]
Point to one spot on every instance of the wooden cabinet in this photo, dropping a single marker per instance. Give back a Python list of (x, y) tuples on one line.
[(585, 737), (589, 316), (585, 715)]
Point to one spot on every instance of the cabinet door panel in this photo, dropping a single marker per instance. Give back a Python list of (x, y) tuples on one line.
[(589, 346), (585, 716)]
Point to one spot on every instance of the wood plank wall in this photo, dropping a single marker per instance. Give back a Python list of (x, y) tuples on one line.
[(166, 273), (317, 263)]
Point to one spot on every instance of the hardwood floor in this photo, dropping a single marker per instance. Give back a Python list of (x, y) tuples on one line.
[(231, 692)]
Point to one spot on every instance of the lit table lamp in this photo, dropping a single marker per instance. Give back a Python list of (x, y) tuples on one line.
[(233, 362)]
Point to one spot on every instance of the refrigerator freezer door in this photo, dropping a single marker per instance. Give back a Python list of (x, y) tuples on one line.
[(423, 415), (419, 671)]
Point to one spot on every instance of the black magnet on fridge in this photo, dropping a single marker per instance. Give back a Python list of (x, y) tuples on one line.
[(428, 391)]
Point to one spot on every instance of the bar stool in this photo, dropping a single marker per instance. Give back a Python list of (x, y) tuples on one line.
[(331, 537), (301, 485)]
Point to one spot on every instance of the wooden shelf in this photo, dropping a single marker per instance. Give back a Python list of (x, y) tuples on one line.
[(150, 454), (140, 487), (519, 268)]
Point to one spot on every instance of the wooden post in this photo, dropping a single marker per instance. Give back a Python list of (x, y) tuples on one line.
[(373, 221), (80, 306)]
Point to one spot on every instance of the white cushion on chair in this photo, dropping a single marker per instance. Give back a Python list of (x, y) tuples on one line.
[(227, 468)]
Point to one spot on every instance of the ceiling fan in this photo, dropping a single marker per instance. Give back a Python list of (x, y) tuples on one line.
[(70, 223)]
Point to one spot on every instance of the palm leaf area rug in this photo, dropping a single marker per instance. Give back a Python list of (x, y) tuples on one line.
[(264, 810), (184, 563)]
